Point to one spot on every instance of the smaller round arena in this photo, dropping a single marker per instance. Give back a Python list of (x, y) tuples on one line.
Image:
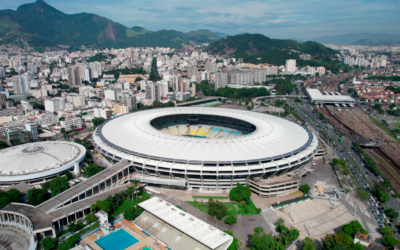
[(37, 162)]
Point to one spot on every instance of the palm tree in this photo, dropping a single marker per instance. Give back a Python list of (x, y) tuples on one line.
[(131, 189), (136, 183)]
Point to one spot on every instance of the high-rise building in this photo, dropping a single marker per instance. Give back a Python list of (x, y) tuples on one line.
[(211, 67), (111, 94), (150, 92), (221, 79), (157, 91), (260, 75), (3, 99), (72, 76), (76, 100), (291, 65), (21, 84), (272, 70), (32, 68), (95, 69), (2, 73), (191, 71), (321, 70), (33, 128), (129, 100), (54, 105)]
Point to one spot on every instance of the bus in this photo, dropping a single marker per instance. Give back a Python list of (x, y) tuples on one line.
[(339, 139)]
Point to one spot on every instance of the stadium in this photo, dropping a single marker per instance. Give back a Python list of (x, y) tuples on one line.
[(38, 162), (205, 148)]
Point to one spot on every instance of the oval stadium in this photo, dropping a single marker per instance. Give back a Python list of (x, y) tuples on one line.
[(38, 162), (208, 148)]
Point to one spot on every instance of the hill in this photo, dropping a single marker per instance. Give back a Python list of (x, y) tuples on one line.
[(274, 51), (352, 38), (42, 25), (256, 48)]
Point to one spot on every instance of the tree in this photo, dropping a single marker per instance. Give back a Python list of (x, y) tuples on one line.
[(297, 99), (352, 228), (397, 194), (230, 220), (389, 241), (383, 196), (132, 212), (3, 145), (37, 196), (106, 206), (69, 176), (69, 243), (392, 213), (38, 106), (136, 183), (280, 221), (363, 195), (387, 183), (305, 188), (217, 209), (90, 218), (48, 243), (235, 243), (386, 230), (346, 171), (98, 121), (308, 244), (93, 169), (15, 142), (58, 185), (261, 241), (240, 193), (14, 195)]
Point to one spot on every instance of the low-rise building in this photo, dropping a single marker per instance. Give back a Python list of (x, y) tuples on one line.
[(72, 123)]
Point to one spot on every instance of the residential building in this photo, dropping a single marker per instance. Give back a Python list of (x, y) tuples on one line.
[(191, 71), (3, 99), (22, 84), (291, 65), (221, 79), (72, 123), (260, 75), (54, 105), (363, 239), (321, 70), (95, 69), (72, 76), (120, 108), (211, 67), (129, 100), (105, 113), (76, 100), (17, 134), (2, 73), (150, 91), (33, 128), (45, 119), (111, 94)]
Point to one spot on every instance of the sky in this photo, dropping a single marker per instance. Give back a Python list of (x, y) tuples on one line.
[(296, 19)]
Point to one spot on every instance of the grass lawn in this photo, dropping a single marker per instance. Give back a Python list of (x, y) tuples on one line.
[(397, 124), (210, 197), (385, 129), (233, 208), (127, 203)]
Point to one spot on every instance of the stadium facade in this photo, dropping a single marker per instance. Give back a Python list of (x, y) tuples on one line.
[(205, 148)]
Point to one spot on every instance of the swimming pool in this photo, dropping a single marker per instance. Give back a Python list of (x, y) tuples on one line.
[(118, 240)]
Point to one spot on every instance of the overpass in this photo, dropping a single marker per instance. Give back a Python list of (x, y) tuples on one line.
[(277, 96)]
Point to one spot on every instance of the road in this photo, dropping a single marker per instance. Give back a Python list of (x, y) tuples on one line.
[(345, 150)]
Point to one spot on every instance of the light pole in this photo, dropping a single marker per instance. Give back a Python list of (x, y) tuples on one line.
[(311, 228)]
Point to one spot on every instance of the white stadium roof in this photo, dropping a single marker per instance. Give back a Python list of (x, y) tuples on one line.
[(37, 160), (273, 137)]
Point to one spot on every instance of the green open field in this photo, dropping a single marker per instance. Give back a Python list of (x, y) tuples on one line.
[(233, 208), (397, 124)]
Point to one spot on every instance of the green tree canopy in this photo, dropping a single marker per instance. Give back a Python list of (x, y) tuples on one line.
[(308, 244), (305, 188), (217, 209), (262, 241), (383, 196), (48, 243), (235, 243), (363, 195), (240, 193), (58, 185), (230, 220), (392, 213), (93, 169), (37, 196), (132, 212)]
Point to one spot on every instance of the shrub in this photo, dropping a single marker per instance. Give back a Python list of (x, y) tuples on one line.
[(230, 220)]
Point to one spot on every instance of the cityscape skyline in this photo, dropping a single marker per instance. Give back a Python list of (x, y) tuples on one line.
[(303, 21)]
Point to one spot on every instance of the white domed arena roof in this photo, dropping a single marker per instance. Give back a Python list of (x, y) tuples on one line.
[(38, 160), (272, 137)]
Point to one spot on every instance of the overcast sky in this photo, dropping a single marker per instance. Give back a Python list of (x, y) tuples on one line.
[(299, 19)]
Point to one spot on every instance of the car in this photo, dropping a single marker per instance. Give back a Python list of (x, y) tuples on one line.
[(377, 218), (379, 204), (395, 232), (384, 216), (373, 212), (368, 203)]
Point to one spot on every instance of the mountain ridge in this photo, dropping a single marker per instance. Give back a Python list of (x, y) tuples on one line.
[(351, 38), (41, 25)]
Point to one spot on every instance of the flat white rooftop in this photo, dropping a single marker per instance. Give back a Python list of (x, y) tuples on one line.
[(317, 97), (186, 223)]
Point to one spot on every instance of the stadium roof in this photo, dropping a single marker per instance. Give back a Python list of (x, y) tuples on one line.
[(186, 223), (274, 137), (317, 97), (39, 159)]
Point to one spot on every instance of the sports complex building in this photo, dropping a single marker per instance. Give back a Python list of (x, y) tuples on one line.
[(38, 162), (207, 148)]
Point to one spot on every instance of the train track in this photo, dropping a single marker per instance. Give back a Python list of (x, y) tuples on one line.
[(380, 153)]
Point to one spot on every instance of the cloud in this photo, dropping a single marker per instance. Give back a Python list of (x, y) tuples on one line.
[(275, 18)]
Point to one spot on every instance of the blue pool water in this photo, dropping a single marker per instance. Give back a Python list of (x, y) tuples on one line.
[(118, 240)]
